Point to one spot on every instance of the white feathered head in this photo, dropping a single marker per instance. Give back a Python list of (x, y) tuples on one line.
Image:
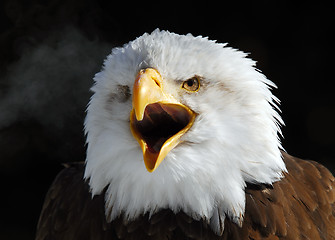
[(180, 122)]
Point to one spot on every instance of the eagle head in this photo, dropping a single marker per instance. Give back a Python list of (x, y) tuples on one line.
[(180, 122)]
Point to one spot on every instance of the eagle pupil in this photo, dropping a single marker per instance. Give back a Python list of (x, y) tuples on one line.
[(190, 82)]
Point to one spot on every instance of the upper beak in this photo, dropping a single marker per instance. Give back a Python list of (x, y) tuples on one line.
[(157, 120)]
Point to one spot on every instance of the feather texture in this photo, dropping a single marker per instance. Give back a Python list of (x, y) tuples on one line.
[(300, 206)]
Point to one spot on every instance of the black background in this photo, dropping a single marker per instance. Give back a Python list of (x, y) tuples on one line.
[(50, 51)]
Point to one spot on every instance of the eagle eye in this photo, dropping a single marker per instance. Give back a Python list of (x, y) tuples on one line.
[(192, 84)]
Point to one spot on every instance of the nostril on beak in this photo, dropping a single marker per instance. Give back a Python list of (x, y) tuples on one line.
[(157, 82)]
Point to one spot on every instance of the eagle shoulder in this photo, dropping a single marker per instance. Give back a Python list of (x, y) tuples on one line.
[(69, 211), (299, 206)]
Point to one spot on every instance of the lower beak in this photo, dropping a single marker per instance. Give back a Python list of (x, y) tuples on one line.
[(157, 120)]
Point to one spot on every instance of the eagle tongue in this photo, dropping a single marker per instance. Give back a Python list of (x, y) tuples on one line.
[(157, 145), (162, 121), (157, 117)]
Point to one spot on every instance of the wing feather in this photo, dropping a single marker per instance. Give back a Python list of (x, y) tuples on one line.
[(69, 212), (300, 206)]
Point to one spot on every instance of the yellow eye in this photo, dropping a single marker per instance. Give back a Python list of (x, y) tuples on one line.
[(192, 84)]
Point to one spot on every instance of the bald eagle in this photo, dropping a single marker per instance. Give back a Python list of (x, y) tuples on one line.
[(183, 142)]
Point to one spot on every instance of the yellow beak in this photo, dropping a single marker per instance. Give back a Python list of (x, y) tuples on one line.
[(157, 120)]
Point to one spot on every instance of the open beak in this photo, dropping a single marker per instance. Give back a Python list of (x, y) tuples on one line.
[(157, 120)]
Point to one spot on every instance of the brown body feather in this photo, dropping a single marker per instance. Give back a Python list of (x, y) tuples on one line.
[(300, 206)]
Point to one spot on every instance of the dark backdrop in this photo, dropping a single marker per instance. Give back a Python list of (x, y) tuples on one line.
[(50, 50)]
